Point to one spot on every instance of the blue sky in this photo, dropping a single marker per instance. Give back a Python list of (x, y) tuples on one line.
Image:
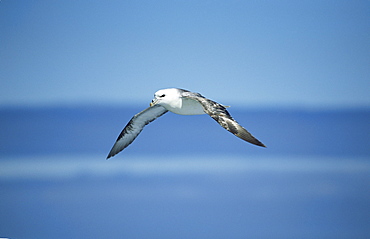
[(244, 53)]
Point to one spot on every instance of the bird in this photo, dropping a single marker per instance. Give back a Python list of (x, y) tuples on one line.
[(182, 102)]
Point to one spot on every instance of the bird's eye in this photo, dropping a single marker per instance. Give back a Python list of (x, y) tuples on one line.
[(162, 95)]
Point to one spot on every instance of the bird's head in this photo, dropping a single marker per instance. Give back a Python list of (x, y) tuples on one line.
[(166, 98)]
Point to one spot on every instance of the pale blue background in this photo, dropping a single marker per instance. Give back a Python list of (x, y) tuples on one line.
[(274, 53), (73, 73)]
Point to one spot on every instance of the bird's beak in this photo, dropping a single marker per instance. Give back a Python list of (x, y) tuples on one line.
[(154, 101)]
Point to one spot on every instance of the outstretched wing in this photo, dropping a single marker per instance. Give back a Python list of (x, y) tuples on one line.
[(219, 113), (135, 126)]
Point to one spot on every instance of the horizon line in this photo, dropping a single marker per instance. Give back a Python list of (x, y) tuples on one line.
[(142, 104)]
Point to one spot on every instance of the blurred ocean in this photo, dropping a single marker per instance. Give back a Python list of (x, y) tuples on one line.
[(184, 176)]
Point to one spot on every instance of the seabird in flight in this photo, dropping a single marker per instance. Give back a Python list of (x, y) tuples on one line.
[(180, 102)]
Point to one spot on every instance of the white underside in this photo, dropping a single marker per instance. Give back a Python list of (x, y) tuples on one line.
[(187, 107)]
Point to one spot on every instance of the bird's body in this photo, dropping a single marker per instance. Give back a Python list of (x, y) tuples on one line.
[(174, 102), (180, 102)]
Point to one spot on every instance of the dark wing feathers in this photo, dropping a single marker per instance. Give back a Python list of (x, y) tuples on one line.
[(219, 113), (135, 126)]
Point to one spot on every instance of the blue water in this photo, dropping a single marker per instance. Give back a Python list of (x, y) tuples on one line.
[(184, 176)]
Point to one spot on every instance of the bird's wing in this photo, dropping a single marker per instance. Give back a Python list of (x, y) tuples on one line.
[(135, 126), (219, 113)]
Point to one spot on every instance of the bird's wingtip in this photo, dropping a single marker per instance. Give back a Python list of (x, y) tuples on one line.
[(259, 143), (110, 155), (256, 142)]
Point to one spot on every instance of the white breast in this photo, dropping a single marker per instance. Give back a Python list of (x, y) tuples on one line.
[(187, 107)]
